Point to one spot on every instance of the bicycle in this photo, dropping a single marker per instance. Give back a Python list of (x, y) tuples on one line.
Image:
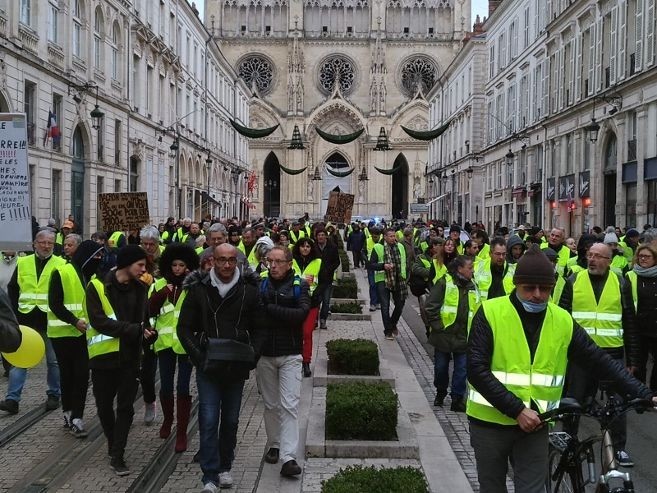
[(567, 454)]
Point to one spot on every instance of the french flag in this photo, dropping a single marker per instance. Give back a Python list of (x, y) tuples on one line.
[(52, 130)]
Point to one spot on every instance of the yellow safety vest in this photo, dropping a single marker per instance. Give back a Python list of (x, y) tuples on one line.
[(618, 264), (115, 238), (441, 270), (310, 273), (539, 381), (294, 237), (166, 321), (73, 302), (380, 275), (483, 277), (59, 238), (484, 253), (563, 256), (369, 246), (450, 306), (557, 291), (97, 343), (633, 279), (603, 320), (34, 291)]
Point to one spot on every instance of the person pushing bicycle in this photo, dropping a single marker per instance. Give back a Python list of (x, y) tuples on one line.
[(518, 350)]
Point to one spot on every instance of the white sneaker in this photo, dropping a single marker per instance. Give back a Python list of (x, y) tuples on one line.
[(209, 488), (67, 420), (149, 413), (77, 428), (225, 480)]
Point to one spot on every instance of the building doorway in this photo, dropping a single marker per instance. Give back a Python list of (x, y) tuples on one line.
[(77, 180), (330, 183), (400, 188), (609, 186), (272, 186)]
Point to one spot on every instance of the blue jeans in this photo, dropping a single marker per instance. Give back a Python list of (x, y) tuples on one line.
[(441, 373), (217, 400), (389, 320), (326, 291), (167, 359), (17, 376), (374, 295)]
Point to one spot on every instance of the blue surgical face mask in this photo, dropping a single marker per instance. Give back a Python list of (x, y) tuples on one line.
[(531, 307)]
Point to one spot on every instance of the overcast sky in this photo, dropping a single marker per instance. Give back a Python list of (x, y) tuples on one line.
[(478, 7)]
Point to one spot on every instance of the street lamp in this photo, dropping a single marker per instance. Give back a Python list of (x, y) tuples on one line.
[(509, 157), (592, 130)]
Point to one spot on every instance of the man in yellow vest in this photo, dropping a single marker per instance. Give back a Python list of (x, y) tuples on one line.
[(518, 349), (607, 315), (247, 247), (557, 242), (296, 233), (371, 240), (28, 292), (494, 275), (67, 325), (118, 326), (390, 266)]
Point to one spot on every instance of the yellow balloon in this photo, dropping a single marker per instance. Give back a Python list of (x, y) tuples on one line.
[(30, 352)]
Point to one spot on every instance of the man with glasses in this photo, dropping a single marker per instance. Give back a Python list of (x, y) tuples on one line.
[(222, 303), (518, 349), (494, 275), (28, 292), (602, 306), (286, 304)]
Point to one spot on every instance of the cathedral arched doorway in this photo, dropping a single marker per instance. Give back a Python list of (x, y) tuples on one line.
[(400, 188), (272, 186), (77, 179), (611, 158), (330, 183)]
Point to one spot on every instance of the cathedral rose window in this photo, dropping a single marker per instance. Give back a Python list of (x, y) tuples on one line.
[(257, 70), (337, 67), (417, 70)]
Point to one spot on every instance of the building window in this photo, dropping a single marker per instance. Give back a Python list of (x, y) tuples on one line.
[(30, 110), (98, 39), (539, 164), (630, 204), (117, 186), (418, 73), (57, 103), (56, 194), (26, 12), (569, 154), (100, 139), (652, 202), (116, 60), (257, 71), (631, 132), (100, 188), (53, 14), (77, 28), (134, 175), (117, 142)]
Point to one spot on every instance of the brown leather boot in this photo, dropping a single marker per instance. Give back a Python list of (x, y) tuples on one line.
[(167, 411), (184, 403)]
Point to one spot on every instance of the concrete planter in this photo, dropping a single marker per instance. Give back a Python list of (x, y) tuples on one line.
[(350, 316), (348, 300), (321, 377), (405, 447)]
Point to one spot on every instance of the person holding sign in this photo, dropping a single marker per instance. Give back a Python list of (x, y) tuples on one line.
[(28, 292)]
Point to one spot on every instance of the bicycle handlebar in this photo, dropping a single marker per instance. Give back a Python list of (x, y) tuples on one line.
[(570, 407)]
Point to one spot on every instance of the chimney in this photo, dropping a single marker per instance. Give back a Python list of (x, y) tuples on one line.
[(478, 26), (492, 5)]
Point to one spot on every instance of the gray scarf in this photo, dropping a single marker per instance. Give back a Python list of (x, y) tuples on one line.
[(645, 271), (221, 286)]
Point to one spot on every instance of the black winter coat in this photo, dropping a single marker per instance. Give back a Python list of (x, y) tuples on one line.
[(10, 335), (204, 313), (284, 316), (645, 319), (582, 350), (330, 262), (452, 339)]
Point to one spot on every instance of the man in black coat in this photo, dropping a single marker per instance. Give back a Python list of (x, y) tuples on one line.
[(10, 335), (286, 305), (330, 263), (222, 303)]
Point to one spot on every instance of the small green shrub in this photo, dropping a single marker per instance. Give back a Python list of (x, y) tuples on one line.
[(359, 479), (353, 357), (351, 307), (346, 288), (361, 411), (344, 260)]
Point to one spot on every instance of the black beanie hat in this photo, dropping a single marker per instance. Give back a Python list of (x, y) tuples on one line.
[(534, 268), (128, 255)]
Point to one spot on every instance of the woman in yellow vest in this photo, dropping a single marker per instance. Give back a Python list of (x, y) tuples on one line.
[(306, 264), (451, 305), (67, 325), (165, 298)]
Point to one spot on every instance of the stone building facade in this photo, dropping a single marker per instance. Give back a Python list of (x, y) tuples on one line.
[(571, 115), (146, 65), (339, 67)]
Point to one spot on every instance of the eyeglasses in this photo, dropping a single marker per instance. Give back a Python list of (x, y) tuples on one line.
[(596, 256), (275, 261), (226, 260), (645, 257)]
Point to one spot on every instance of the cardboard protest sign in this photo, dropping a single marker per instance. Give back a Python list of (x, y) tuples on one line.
[(338, 209), (15, 214), (123, 211)]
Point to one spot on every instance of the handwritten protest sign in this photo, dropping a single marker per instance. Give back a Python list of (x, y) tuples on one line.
[(123, 211), (15, 215), (338, 209)]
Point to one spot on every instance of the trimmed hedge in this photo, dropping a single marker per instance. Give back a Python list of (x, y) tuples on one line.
[(359, 479), (344, 260), (361, 411), (353, 357), (351, 307), (346, 288)]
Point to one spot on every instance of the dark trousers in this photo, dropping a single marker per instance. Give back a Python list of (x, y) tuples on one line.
[(389, 321), (167, 359), (358, 258), (495, 447), (325, 290), (121, 384), (374, 297), (218, 401), (648, 347), (441, 373), (73, 360), (147, 374), (582, 385)]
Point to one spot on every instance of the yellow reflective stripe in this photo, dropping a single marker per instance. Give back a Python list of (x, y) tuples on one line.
[(609, 317), (32, 296), (546, 405), (167, 308), (164, 331), (474, 396), (58, 323), (512, 378), (73, 306), (483, 294), (577, 315), (98, 339), (610, 332), (547, 380), (449, 309), (590, 330)]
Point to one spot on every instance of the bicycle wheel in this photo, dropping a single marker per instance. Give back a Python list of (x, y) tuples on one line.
[(562, 477)]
